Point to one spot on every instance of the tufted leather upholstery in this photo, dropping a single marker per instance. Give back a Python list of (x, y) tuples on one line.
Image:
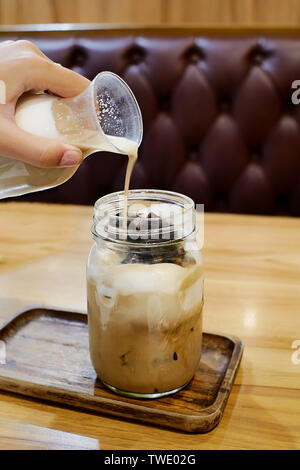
[(219, 124)]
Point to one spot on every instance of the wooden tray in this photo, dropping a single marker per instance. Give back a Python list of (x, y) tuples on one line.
[(47, 357)]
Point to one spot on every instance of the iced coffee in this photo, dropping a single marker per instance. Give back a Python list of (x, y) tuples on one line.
[(145, 295)]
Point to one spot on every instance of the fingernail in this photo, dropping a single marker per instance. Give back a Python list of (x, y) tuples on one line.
[(71, 158)]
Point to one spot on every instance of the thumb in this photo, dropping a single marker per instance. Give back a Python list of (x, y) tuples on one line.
[(38, 151)]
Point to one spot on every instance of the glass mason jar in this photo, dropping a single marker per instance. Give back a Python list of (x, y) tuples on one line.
[(145, 293)]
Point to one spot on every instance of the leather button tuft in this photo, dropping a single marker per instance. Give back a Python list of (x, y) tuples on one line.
[(77, 57), (193, 155), (258, 59), (225, 105), (255, 157), (255, 154), (194, 55), (258, 55), (135, 55), (164, 104)]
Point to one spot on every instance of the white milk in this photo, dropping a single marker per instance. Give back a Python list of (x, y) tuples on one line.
[(46, 116)]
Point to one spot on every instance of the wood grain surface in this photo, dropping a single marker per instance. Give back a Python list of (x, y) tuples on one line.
[(46, 356), (252, 280), (218, 12)]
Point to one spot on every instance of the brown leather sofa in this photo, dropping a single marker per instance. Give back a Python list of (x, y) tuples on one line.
[(219, 123)]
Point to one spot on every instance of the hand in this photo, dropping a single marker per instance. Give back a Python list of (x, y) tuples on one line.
[(23, 67)]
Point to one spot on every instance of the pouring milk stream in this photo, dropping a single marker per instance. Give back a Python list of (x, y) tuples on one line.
[(105, 117)]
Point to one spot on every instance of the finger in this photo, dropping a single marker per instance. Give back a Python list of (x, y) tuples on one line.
[(48, 75), (38, 51), (25, 45), (7, 42), (36, 150), (30, 46)]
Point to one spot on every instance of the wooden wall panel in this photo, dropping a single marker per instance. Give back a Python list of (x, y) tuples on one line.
[(85, 11), (223, 12), (250, 12)]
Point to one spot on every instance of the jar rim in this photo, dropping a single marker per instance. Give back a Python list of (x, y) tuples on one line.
[(182, 220), (145, 192)]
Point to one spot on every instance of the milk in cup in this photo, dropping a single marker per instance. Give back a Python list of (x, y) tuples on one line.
[(105, 117)]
